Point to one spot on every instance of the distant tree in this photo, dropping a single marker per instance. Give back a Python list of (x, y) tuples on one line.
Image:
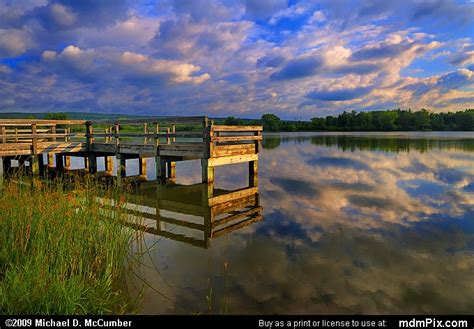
[(232, 121), (56, 116), (422, 120), (465, 120), (318, 124), (271, 122)]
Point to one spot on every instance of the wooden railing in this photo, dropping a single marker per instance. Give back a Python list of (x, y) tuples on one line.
[(213, 140), (233, 140)]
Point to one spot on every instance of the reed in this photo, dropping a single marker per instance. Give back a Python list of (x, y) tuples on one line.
[(58, 255)]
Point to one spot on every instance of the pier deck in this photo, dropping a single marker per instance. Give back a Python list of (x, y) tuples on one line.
[(47, 145)]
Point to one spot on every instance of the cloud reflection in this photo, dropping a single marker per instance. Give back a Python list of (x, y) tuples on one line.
[(395, 237)]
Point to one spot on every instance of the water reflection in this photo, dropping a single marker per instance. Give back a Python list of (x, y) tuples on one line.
[(367, 228), (187, 213)]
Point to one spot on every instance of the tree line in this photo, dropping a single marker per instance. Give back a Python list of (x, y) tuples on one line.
[(389, 120)]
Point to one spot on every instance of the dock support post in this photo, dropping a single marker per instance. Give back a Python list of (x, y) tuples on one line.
[(142, 167), (50, 160), (92, 164), (59, 162), (208, 177), (2, 171), (7, 165), (35, 166), (86, 163), (108, 165), (160, 168), (67, 162), (253, 173), (121, 166), (41, 165), (171, 169)]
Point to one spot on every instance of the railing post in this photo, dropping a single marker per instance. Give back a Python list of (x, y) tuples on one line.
[(3, 132), (145, 132), (173, 131), (121, 161), (157, 134), (91, 164), (168, 139), (34, 141), (53, 131), (1, 172)]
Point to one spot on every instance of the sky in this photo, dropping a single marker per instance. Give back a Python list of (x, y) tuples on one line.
[(297, 59)]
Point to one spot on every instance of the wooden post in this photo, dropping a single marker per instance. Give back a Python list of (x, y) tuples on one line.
[(142, 167), (171, 169), (145, 132), (50, 160), (41, 164), (2, 171), (67, 162), (253, 173), (173, 131), (86, 164), (121, 166), (160, 168), (3, 132), (34, 163), (53, 131), (108, 165), (117, 138), (92, 163), (59, 162), (7, 165), (34, 144), (90, 160), (208, 177), (157, 134), (121, 161), (168, 139)]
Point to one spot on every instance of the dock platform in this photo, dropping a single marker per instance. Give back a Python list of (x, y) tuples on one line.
[(44, 146)]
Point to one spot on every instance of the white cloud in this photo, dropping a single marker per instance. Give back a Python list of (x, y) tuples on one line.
[(14, 42)]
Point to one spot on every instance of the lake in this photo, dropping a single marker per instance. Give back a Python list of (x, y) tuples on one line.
[(344, 223)]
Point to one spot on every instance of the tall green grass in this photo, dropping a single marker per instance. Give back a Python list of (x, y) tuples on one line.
[(58, 255)]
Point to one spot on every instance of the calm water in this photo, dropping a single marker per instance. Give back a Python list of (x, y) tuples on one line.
[(351, 224)]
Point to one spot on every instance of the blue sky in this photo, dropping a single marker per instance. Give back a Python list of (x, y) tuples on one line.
[(297, 59)]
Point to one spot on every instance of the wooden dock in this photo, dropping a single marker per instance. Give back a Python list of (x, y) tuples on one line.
[(44, 146)]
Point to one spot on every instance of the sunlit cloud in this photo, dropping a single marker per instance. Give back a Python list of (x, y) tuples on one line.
[(234, 57)]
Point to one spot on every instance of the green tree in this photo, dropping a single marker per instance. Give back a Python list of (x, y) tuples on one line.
[(56, 116), (232, 121), (271, 122)]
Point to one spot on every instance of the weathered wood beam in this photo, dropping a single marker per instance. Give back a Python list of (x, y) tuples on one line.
[(232, 159)]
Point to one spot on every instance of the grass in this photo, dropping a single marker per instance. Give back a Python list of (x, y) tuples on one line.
[(58, 255)]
